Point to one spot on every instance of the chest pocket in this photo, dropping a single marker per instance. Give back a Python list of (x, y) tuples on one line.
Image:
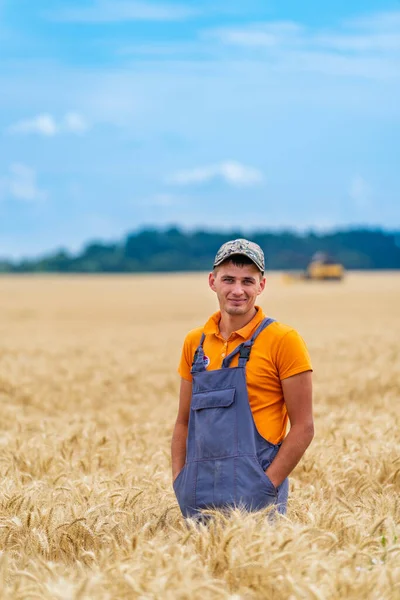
[(214, 420)]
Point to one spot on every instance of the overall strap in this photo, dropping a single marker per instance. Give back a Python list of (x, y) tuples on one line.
[(198, 358), (244, 349), (264, 323)]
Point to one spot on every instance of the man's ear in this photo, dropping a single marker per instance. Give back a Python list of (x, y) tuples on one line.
[(211, 281), (262, 284)]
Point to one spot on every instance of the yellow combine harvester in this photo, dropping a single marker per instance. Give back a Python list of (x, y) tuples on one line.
[(321, 268)]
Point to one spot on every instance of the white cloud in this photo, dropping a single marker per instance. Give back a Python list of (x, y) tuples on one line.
[(267, 35), (74, 123), (366, 47), (21, 184), (370, 42), (107, 11), (360, 192), (375, 33), (379, 31), (231, 172), (384, 20), (46, 125), (42, 124)]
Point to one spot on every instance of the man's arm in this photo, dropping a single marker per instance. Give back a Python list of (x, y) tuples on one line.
[(178, 444), (297, 392)]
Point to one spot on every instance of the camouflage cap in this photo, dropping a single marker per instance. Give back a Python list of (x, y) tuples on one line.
[(244, 247)]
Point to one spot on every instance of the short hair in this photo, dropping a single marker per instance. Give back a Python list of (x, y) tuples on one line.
[(239, 260)]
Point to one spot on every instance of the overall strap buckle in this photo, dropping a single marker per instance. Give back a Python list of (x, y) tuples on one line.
[(245, 352)]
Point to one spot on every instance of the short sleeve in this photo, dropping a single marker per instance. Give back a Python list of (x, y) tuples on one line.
[(292, 355), (185, 364)]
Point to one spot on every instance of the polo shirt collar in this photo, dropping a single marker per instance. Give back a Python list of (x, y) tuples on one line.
[(212, 325)]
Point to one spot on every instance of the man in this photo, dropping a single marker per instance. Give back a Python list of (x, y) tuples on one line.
[(243, 377)]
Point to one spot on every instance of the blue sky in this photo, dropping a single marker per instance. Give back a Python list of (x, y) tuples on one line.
[(261, 114)]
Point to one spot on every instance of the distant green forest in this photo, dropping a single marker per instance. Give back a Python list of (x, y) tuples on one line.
[(172, 249)]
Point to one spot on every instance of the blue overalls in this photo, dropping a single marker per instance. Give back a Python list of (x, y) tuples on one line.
[(225, 455)]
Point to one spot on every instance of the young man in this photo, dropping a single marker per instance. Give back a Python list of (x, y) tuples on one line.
[(243, 377)]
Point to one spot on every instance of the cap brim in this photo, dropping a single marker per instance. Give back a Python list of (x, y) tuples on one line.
[(216, 264)]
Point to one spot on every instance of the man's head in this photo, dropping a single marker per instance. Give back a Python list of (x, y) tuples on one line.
[(238, 276), (243, 248)]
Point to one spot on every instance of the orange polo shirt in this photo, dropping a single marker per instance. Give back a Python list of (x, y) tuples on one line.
[(278, 352)]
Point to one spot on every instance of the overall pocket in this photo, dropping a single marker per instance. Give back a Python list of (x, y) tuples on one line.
[(214, 423), (184, 489), (265, 480), (254, 490), (176, 480), (273, 490)]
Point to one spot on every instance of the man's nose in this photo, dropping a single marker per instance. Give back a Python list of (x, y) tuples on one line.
[(237, 289)]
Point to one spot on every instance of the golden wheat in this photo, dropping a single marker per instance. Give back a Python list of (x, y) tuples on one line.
[(88, 393)]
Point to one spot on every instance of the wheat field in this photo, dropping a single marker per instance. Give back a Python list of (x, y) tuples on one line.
[(88, 392)]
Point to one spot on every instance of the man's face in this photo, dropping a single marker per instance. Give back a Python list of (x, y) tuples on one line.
[(236, 287)]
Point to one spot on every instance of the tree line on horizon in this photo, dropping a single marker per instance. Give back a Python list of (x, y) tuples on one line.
[(172, 249)]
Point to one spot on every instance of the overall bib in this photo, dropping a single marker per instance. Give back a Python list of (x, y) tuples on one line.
[(225, 455)]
